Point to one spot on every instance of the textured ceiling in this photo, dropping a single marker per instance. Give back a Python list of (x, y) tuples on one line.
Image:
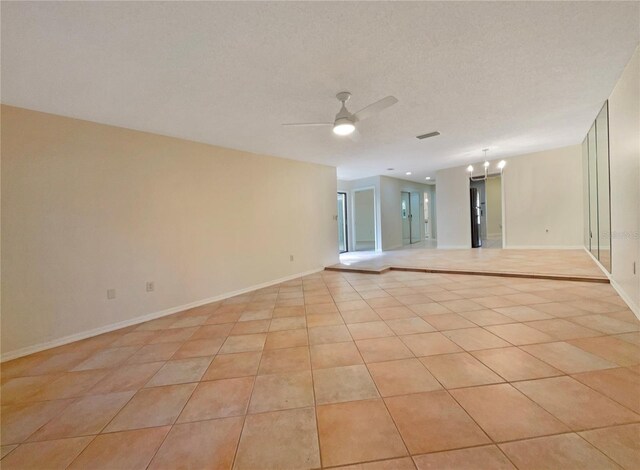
[(515, 77)]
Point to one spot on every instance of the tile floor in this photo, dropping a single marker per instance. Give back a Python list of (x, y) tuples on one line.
[(394, 371), (493, 260)]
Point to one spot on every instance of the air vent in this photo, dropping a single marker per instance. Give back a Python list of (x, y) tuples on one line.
[(430, 134)]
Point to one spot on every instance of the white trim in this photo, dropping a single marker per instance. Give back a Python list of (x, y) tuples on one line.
[(454, 247), (628, 300), (618, 288), (147, 317), (544, 247)]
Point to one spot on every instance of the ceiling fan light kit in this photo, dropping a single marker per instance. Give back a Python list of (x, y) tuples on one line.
[(345, 121)]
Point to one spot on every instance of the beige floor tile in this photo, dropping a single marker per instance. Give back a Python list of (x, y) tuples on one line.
[(619, 443), (290, 311), (174, 335), (279, 440), (563, 329), (568, 358), (474, 339), (360, 316), (357, 431), (409, 326), (404, 463), (430, 422), (282, 391), (50, 455), (402, 377), (460, 370), (575, 404), (243, 343), (154, 353), (121, 450), (519, 334), (392, 313), (428, 344), (329, 334), (84, 416), (565, 451), (383, 349), (605, 324), (448, 321), (632, 338), (514, 364), (151, 407), (338, 384), (180, 371), (380, 302), (367, 330), (524, 313), (328, 307), (218, 399), (485, 457), (335, 355), (486, 317), (611, 349), (286, 339), (288, 323), (21, 389), (213, 331), (5, 450), (127, 377), (229, 366), (324, 319), (621, 385), (199, 348), (258, 314), (107, 358), (506, 414), (205, 444), (461, 305), (21, 420), (276, 361), (429, 308), (250, 327)]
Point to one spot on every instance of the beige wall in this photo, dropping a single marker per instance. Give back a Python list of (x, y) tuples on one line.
[(391, 202), (454, 213), (88, 207), (542, 201), (493, 206), (624, 155)]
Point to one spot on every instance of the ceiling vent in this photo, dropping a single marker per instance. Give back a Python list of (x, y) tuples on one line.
[(430, 134)]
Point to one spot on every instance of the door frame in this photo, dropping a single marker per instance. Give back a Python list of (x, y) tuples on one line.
[(346, 223), (375, 217)]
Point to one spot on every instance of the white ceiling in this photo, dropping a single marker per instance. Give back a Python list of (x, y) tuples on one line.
[(514, 77)]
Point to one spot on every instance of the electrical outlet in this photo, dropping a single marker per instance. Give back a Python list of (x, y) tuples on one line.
[(290, 257), (150, 286), (111, 294)]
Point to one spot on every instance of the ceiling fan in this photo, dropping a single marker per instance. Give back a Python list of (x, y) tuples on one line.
[(345, 121)]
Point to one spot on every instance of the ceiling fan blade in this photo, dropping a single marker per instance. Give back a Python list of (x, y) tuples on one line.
[(376, 107), (307, 124), (355, 135)]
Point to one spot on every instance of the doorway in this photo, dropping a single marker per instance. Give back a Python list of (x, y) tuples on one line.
[(410, 211), (343, 243), (485, 198), (364, 220)]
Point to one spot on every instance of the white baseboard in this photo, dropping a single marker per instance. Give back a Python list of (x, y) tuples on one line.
[(454, 247), (143, 318), (635, 308), (544, 247), (627, 299)]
